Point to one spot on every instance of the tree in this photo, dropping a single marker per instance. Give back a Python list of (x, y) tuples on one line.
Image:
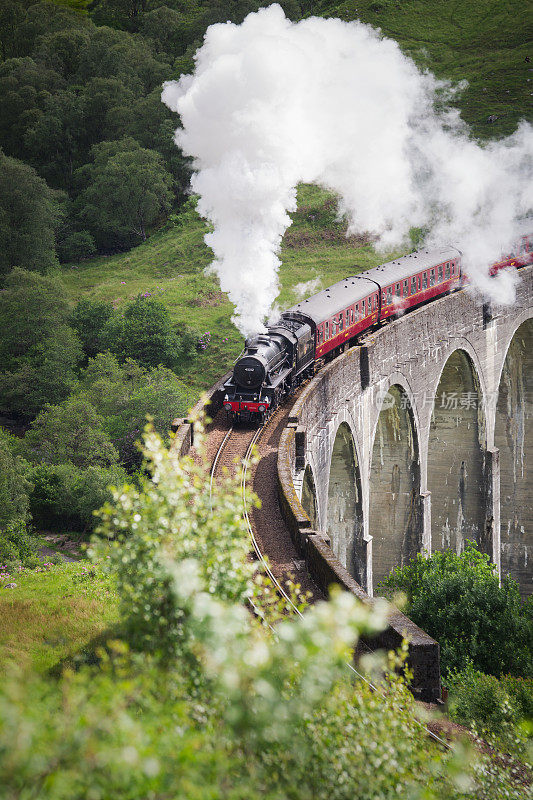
[(38, 350), (29, 214), (65, 496), (457, 599), (125, 394), (14, 486), (71, 431), (165, 27), (128, 189), (144, 333), (88, 320), (44, 374)]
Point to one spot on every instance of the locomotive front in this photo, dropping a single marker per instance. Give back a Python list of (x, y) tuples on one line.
[(249, 393), (268, 369)]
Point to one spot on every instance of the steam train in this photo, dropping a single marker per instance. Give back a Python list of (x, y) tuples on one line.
[(273, 364)]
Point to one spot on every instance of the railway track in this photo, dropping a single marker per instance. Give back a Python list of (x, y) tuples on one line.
[(238, 445)]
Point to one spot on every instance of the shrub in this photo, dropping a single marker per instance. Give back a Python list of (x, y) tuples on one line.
[(39, 351), (125, 394), (88, 320), (17, 545), (494, 708), (14, 486), (65, 497), (71, 431), (144, 333), (76, 246), (457, 599)]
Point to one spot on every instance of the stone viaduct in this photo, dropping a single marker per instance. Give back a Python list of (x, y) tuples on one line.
[(420, 438)]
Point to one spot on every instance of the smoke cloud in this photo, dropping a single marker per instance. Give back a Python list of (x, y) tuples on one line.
[(273, 103)]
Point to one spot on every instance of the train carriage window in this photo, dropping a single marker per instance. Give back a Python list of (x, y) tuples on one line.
[(327, 330), (440, 272), (432, 277), (419, 281), (347, 317), (398, 291), (413, 285), (453, 267), (363, 309), (341, 321), (333, 327), (425, 280), (405, 288), (389, 295), (447, 270)]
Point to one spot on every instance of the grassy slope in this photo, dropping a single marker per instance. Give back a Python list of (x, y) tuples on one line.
[(482, 41), (171, 265), (53, 613)]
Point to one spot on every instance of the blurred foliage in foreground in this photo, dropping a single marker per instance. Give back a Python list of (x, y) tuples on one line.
[(198, 700)]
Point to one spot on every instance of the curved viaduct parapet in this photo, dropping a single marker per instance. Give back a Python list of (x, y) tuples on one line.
[(412, 354)]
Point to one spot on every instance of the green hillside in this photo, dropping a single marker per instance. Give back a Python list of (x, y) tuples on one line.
[(485, 42), (170, 265)]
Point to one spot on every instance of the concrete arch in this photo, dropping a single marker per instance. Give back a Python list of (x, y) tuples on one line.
[(525, 316), (397, 379), (482, 389), (309, 497), (345, 504), (395, 523), (513, 436), (456, 457)]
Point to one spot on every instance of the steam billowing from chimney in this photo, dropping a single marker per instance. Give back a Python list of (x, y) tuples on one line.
[(273, 103)]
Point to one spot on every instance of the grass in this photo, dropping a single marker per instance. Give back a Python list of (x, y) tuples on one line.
[(53, 614), (171, 263), (485, 42)]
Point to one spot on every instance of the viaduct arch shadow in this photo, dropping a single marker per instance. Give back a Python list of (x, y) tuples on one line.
[(309, 497), (345, 511), (513, 436), (456, 465), (394, 514)]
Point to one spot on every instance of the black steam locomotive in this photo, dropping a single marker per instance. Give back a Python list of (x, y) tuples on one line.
[(272, 365)]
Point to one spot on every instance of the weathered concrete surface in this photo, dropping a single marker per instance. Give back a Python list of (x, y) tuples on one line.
[(513, 436), (456, 474), (345, 512), (394, 503), (451, 491)]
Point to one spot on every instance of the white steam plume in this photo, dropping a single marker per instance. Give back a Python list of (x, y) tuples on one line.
[(273, 103)]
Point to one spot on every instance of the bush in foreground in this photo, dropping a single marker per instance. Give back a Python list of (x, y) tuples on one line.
[(204, 702)]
